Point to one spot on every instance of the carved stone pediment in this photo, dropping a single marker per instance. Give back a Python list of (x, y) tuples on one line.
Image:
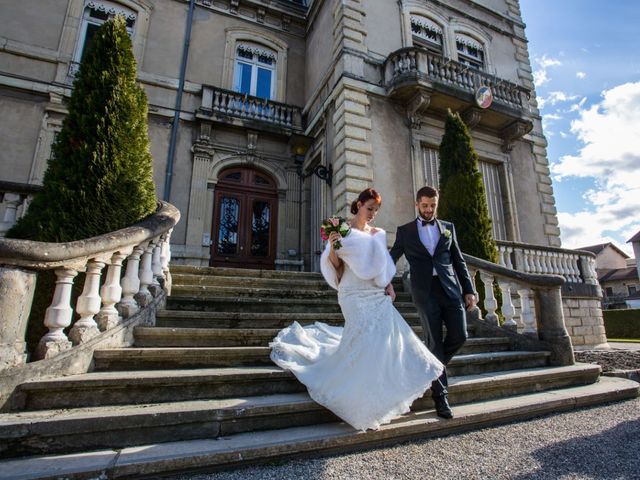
[(514, 132)]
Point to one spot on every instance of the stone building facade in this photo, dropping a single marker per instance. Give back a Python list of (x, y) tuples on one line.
[(289, 108)]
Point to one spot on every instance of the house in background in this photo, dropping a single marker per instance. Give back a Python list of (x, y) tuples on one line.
[(617, 275)]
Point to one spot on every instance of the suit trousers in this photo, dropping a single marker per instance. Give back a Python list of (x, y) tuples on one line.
[(436, 310)]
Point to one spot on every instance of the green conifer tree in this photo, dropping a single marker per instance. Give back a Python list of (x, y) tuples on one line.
[(100, 176), (462, 197)]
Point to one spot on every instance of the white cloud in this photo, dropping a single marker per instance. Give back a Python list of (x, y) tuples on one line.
[(609, 132), (556, 97), (581, 75), (540, 76)]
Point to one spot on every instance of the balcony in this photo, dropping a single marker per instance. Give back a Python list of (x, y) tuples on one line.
[(421, 79), (228, 107)]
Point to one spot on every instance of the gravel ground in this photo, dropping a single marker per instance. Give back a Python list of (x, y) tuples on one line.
[(596, 443)]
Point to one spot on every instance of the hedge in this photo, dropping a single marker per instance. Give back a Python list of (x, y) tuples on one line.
[(622, 323)]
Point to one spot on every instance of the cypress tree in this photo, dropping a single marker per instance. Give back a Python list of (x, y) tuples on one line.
[(462, 196), (100, 176)]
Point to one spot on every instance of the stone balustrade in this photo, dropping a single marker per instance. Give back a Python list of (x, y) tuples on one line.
[(144, 250), (531, 305), (14, 200), (575, 266), (233, 104), (415, 64)]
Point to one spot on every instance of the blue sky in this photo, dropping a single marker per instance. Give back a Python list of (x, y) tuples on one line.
[(586, 63)]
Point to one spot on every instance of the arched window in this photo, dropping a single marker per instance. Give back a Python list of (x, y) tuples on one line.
[(95, 13), (255, 70), (426, 33), (470, 51)]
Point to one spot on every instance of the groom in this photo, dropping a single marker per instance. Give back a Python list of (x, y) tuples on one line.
[(440, 285)]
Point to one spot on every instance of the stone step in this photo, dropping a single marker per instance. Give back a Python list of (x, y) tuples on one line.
[(263, 305), (207, 319), (253, 337), (56, 431), (215, 421), (167, 358), (206, 291), (243, 272)]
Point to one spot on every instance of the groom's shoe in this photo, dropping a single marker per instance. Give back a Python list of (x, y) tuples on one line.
[(442, 407)]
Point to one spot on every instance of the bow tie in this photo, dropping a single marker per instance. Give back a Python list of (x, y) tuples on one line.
[(428, 222)]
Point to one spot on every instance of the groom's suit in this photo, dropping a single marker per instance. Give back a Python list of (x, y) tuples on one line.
[(438, 281)]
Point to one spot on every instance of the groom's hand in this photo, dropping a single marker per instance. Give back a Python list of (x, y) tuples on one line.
[(470, 301)]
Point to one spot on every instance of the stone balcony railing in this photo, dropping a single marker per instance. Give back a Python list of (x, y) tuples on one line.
[(14, 200), (423, 80), (108, 299), (575, 266), (229, 106)]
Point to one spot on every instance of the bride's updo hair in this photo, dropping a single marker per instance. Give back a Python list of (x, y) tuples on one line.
[(364, 197)]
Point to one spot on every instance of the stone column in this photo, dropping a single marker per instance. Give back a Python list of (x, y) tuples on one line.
[(16, 294), (551, 325)]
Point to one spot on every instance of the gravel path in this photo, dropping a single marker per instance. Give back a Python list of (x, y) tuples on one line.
[(596, 443)]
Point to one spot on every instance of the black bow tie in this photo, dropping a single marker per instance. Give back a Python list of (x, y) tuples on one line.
[(428, 222)]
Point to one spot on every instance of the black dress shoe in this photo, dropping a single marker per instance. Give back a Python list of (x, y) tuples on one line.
[(442, 407)]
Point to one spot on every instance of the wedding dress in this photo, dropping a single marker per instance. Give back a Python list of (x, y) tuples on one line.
[(372, 369)]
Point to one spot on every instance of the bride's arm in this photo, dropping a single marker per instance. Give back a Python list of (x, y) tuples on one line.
[(337, 263)]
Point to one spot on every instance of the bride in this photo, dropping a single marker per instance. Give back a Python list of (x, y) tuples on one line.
[(373, 369)]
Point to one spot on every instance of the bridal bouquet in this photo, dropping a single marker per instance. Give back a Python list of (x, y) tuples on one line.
[(335, 224)]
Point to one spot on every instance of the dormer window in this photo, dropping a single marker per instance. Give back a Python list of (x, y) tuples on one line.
[(470, 51), (426, 33)]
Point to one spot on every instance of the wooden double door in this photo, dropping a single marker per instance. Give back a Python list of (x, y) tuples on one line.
[(244, 220)]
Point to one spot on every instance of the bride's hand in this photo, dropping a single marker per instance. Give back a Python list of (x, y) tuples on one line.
[(388, 290), (334, 237)]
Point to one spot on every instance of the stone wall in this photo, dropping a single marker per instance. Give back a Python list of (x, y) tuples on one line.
[(584, 322)]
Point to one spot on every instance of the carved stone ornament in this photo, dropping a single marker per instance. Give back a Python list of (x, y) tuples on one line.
[(418, 104), (252, 141), (233, 6), (111, 10), (286, 22), (260, 14), (471, 117), (514, 132)]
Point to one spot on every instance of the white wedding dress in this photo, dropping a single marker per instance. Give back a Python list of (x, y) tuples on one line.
[(372, 369)]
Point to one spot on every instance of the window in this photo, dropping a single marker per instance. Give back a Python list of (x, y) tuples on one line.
[(95, 14), (490, 178), (608, 291), (426, 33), (255, 71), (470, 51), (632, 289)]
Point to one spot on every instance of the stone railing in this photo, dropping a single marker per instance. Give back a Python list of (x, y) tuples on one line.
[(416, 64), (14, 200), (226, 102), (575, 266), (531, 307), (108, 296)]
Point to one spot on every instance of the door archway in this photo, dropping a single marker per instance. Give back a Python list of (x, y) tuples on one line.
[(245, 212)]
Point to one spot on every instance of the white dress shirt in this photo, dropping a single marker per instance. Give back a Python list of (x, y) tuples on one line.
[(429, 236)]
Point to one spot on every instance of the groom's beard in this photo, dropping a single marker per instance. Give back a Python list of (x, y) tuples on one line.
[(427, 219)]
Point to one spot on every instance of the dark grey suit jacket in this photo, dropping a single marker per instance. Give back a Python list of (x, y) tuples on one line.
[(447, 260)]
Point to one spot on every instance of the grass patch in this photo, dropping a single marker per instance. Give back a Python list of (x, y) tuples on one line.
[(624, 340)]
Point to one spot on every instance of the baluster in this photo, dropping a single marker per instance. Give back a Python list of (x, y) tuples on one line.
[(156, 267), (575, 270), (58, 316), (111, 293), (528, 264), (508, 310), (472, 274), (130, 284), (88, 305), (544, 262), (566, 273), (519, 260), (490, 302), (216, 100), (536, 262), (144, 296), (165, 258), (557, 265), (11, 203), (507, 262), (526, 313), (501, 250)]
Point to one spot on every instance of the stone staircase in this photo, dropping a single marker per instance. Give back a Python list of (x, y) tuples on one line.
[(198, 390)]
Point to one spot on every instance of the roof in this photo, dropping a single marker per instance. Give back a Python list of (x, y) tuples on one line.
[(601, 246), (617, 274), (635, 238)]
